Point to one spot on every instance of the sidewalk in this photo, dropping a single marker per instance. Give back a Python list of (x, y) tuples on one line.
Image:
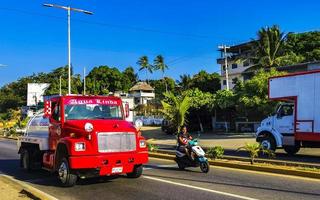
[(154, 135), (9, 191)]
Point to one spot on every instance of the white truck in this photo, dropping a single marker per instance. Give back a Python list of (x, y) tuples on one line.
[(297, 121)]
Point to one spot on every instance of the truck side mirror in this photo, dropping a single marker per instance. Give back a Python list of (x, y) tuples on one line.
[(126, 109), (47, 109)]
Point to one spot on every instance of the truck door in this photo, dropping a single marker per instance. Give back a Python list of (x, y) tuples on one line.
[(284, 120), (55, 125)]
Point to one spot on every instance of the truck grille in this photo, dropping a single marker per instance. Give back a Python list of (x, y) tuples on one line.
[(116, 142)]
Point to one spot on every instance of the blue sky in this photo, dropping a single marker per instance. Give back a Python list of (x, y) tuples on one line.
[(33, 38)]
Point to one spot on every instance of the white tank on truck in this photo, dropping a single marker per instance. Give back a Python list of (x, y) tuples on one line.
[(296, 122)]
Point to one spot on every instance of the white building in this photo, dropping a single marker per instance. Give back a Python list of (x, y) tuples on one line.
[(235, 66), (142, 93), (35, 93)]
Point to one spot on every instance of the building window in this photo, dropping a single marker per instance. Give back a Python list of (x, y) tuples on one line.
[(246, 63), (234, 66), (223, 67), (224, 82), (234, 80)]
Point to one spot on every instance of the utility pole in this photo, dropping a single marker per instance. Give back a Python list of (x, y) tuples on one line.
[(84, 81), (60, 86), (224, 47), (69, 9)]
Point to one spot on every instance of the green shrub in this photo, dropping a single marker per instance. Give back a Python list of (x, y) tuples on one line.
[(215, 152), (152, 147), (254, 149)]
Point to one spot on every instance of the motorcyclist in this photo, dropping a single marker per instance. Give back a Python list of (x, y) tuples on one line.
[(183, 139)]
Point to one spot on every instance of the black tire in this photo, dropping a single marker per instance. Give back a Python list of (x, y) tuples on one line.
[(181, 166), (136, 173), (205, 167), (291, 150), (268, 143), (65, 175), (25, 161)]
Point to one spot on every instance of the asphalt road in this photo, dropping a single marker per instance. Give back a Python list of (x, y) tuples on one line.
[(162, 180)]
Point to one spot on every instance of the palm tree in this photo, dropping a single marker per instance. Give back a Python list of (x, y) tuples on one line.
[(175, 109), (185, 81), (268, 49), (269, 46), (143, 62), (159, 64), (254, 149)]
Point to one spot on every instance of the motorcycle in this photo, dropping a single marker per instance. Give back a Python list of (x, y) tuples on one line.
[(183, 160)]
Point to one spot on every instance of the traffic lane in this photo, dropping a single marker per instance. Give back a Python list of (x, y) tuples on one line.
[(99, 188), (222, 179), (240, 182), (123, 188)]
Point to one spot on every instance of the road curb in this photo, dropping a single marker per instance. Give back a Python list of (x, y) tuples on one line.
[(273, 169), (28, 188), (10, 138)]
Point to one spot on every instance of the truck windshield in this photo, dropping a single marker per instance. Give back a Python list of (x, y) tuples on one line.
[(92, 111)]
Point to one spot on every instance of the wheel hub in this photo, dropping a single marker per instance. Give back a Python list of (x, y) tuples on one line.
[(266, 144), (63, 172)]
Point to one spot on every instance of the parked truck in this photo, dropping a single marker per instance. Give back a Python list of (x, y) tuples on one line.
[(83, 136), (296, 122)]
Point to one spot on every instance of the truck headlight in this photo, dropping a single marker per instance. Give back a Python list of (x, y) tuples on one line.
[(143, 144), (80, 146), (88, 127)]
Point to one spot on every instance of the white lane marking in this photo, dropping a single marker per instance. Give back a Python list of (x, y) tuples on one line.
[(200, 188)]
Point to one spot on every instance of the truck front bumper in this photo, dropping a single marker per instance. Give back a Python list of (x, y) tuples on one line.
[(105, 163)]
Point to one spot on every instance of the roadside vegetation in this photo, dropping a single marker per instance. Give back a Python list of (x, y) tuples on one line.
[(202, 92), (215, 152), (254, 149)]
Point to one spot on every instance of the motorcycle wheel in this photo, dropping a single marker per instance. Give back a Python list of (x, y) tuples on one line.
[(205, 167), (181, 167)]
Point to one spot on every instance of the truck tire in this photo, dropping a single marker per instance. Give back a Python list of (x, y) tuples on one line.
[(66, 177), (268, 142), (291, 150), (137, 172), (25, 161)]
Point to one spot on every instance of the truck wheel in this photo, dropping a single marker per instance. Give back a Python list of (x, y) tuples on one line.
[(137, 172), (268, 143), (25, 160), (291, 150), (67, 178)]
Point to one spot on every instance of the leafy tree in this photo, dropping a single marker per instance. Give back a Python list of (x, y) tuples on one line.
[(144, 64), (200, 102), (252, 95), (159, 64), (160, 87), (175, 109), (305, 45), (206, 82), (130, 75), (103, 79)]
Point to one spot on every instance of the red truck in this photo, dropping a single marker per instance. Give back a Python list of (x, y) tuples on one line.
[(81, 137)]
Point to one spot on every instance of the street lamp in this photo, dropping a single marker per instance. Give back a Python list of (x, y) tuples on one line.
[(69, 9)]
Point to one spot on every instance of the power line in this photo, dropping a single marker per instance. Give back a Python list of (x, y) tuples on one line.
[(132, 28)]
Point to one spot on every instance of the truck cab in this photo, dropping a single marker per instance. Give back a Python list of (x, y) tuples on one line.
[(276, 127), (81, 137)]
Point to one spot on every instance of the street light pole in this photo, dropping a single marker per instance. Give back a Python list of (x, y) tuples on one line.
[(224, 47), (69, 9)]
